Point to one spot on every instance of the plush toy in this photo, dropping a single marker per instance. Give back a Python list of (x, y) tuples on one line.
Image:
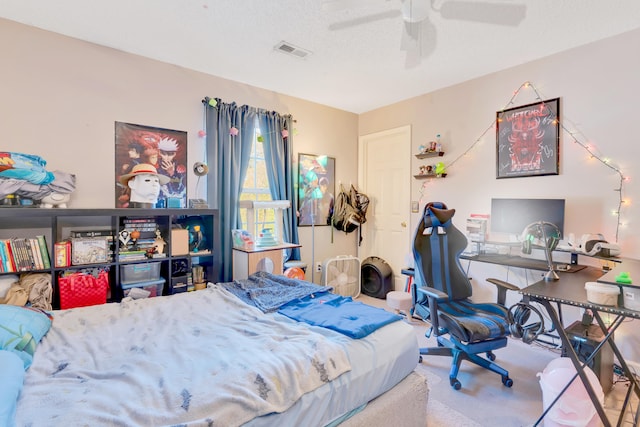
[(55, 199)]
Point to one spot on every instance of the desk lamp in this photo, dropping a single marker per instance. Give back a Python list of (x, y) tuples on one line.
[(536, 230)]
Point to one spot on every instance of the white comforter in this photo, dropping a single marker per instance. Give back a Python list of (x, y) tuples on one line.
[(200, 358)]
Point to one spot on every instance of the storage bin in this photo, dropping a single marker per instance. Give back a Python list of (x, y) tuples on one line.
[(574, 407), (153, 287), (603, 294), (631, 297), (143, 272)]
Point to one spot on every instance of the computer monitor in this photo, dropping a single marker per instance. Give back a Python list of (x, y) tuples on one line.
[(511, 216)]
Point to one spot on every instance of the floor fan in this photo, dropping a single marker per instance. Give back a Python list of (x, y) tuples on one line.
[(343, 275)]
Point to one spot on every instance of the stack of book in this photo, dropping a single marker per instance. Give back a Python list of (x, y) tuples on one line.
[(24, 254), (146, 240)]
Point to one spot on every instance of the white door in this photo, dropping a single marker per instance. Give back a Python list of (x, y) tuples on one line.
[(385, 177)]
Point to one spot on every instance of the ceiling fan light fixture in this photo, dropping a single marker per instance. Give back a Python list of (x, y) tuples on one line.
[(415, 10)]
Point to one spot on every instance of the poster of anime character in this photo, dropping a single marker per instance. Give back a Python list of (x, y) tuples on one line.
[(164, 149), (316, 187), (528, 140)]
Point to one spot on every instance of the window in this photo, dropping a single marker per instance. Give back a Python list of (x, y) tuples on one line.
[(256, 188)]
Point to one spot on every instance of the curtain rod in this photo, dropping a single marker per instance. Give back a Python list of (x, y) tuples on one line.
[(206, 100)]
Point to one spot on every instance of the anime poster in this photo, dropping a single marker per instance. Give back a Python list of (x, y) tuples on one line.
[(316, 187), (165, 149), (528, 140)]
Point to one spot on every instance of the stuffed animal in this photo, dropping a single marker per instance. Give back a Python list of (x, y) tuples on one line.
[(55, 199)]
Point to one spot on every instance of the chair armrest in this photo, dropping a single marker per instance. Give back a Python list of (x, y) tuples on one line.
[(433, 296), (503, 287), (433, 293)]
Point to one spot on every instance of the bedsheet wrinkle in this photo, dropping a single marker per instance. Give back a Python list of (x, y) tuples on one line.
[(192, 359)]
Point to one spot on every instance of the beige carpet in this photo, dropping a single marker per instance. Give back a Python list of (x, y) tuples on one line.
[(483, 401)]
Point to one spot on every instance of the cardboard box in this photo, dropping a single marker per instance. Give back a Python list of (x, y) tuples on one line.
[(179, 242)]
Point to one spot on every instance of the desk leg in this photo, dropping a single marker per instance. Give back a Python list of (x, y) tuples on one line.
[(566, 343), (634, 387)]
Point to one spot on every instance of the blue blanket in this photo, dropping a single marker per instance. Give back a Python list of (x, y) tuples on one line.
[(341, 314), (269, 292), (310, 303)]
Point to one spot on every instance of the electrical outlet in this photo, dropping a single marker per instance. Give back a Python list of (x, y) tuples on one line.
[(318, 267)]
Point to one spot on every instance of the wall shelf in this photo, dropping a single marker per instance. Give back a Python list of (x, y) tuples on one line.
[(430, 176), (430, 154)]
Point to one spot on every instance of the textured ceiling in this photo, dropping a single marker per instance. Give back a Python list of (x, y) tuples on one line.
[(357, 62)]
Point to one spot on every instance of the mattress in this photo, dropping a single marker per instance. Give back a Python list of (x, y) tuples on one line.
[(92, 378), (379, 361)]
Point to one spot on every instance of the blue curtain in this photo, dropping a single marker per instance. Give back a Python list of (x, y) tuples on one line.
[(278, 154), (228, 159)]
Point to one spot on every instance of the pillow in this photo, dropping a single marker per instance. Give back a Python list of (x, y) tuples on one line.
[(11, 378), (21, 329)]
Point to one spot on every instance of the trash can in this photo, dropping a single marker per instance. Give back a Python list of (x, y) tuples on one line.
[(574, 408)]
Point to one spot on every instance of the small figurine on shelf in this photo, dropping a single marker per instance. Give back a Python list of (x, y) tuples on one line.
[(124, 238), (159, 242), (196, 240), (440, 170), (135, 235)]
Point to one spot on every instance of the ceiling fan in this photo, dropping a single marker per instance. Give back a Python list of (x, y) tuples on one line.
[(419, 35)]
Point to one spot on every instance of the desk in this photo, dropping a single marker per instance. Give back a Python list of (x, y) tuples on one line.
[(518, 261), (569, 290), (269, 259)]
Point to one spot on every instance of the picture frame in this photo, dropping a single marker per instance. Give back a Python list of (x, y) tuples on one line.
[(528, 140), (144, 144), (316, 189)]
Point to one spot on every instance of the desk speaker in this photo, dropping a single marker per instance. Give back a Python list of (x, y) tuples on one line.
[(584, 339)]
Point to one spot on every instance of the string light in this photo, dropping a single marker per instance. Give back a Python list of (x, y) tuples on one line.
[(587, 147)]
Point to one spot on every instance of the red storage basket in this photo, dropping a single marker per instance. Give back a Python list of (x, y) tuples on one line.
[(83, 289)]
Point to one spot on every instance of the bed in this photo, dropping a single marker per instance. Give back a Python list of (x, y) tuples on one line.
[(208, 358)]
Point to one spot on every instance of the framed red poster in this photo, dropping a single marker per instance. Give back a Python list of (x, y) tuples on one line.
[(528, 140)]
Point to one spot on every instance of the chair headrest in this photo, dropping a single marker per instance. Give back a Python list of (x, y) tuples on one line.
[(436, 214)]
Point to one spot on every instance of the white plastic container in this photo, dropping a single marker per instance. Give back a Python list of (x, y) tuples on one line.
[(631, 296), (603, 294), (574, 408)]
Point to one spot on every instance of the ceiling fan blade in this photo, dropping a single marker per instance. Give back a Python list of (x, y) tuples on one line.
[(486, 12), (419, 40), (341, 25), (340, 5)]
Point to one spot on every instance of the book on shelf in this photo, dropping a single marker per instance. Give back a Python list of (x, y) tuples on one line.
[(10, 259), (91, 233), (44, 251), (37, 256)]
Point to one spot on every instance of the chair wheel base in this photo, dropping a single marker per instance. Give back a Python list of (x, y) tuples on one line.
[(508, 382), (457, 385)]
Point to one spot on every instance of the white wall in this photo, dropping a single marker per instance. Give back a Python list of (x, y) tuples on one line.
[(598, 90), (60, 97)]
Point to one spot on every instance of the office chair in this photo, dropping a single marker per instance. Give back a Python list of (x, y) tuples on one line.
[(441, 295)]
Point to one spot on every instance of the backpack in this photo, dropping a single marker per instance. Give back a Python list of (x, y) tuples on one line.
[(349, 210)]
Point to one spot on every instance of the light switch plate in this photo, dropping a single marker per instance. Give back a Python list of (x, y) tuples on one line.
[(415, 207)]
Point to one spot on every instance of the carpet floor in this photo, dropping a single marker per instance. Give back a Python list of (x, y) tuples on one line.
[(483, 400)]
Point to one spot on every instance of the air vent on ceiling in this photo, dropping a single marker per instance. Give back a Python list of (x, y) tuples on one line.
[(292, 50)]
